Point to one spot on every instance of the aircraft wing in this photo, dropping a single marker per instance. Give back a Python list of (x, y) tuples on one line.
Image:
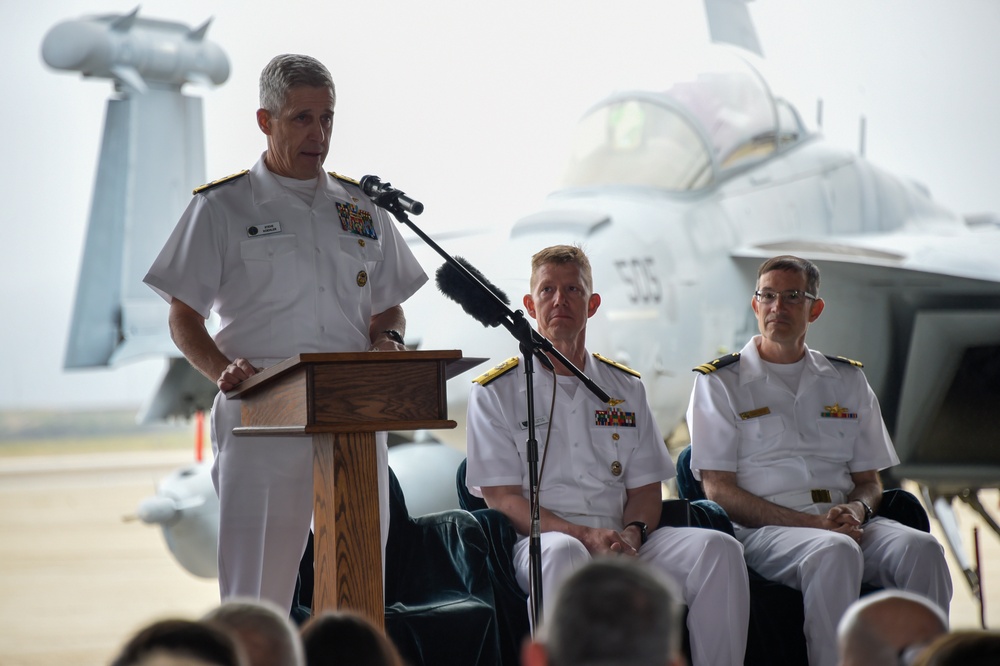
[(970, 255), (182, 391), (936, 365)]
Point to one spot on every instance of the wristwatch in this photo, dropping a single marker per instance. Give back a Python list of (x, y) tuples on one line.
[(868, 510), (642, 530), (394, 335)]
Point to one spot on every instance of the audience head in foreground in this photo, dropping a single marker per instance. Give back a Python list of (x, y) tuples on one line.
[(610, 612), (180, 643), (265, 633), (883, 627), (346, 639), (962, 648)]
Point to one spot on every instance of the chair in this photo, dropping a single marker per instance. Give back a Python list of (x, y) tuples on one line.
[(776, 614), (439, 603), (511, 601)]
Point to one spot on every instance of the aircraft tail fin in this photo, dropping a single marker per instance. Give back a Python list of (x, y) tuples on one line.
[(729, 22), (152, 155)]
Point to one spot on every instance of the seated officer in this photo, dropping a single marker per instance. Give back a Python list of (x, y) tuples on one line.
[(789, 442), (600, 468)]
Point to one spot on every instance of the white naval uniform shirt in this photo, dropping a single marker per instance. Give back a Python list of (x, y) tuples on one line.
[(801, 443), (577, 483), (302, 283)]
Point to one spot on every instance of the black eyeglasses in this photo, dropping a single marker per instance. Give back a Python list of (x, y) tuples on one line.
[(789, 296)]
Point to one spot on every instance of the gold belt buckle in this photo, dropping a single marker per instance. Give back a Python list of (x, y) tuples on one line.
[(821, 496)]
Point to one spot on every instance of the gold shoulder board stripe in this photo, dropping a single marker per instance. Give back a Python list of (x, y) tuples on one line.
[(616, 364), (844, 359), (216, 183), (712, 366), (344, 178), (499, 370)]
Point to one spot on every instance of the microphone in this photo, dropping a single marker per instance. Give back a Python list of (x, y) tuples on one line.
[(456, 285), (384, 194)]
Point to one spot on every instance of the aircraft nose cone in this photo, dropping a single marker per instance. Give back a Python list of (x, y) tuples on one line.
[(156, 510)]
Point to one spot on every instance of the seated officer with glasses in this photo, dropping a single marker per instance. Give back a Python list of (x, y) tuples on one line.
[(789, 442)]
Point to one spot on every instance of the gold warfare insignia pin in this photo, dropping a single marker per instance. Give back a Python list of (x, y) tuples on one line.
[(835, 411), (754, 413), (362, 278), (616, 468)]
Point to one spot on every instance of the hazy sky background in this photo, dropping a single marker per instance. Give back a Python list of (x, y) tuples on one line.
[(469, 107)]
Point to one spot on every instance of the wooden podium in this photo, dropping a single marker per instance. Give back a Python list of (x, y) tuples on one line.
[(341, 401)]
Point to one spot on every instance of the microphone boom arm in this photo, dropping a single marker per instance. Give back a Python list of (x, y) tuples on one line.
[(513, 321), (532, 344)]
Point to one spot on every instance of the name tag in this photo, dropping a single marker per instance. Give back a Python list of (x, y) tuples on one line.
[(539, 421), (264, 229)]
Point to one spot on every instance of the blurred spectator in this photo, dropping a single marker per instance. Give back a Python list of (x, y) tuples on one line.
[(880, 627), (962, 648), (266, 634), (342, 638), (610, 612), (180, 643)]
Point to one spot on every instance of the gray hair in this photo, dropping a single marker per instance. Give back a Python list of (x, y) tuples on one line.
[(289, 71), (613, 611), (267, 635)]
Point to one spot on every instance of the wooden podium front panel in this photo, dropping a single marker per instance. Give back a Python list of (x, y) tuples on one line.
[(380, 392), (285, 403)]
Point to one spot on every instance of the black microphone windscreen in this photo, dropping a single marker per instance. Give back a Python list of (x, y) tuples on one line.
[(370, 185), (455, 285)]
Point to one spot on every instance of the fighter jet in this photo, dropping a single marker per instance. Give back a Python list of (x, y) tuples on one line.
[(678, 194)]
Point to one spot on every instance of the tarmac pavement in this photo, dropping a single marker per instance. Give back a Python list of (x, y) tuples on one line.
[(76, 580)]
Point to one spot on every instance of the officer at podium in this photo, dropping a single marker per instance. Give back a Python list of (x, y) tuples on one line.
[(293, 260)]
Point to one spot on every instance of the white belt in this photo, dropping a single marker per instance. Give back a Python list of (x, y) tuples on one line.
[(803, 497)]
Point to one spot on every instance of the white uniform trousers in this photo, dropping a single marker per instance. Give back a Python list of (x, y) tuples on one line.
[(706, 565), (829, 568), (265, 488)]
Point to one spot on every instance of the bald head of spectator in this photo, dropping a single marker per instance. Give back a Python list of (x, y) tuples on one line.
[(883, 627)]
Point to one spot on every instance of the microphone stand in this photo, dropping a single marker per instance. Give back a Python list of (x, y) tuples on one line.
[(532, 344)]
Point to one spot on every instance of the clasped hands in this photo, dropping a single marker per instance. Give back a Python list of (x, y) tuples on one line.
[(600, 541), (841, 518)]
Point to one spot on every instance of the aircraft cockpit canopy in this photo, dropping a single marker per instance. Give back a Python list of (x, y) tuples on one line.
[(704, 126)]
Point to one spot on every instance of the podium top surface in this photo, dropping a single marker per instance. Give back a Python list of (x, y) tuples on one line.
[(455, 364)]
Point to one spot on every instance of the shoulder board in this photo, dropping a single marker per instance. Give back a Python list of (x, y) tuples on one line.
[(712, 366), (344, 178), (499, 370), (842, 359), (616, 364), (215, 183)]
